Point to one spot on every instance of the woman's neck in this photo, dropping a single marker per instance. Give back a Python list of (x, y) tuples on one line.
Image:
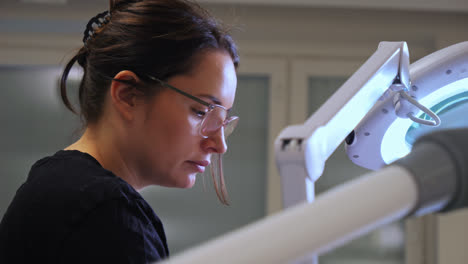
[(106, 150)]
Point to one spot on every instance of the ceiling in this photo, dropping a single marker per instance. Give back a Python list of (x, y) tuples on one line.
[(415, 5), (433, 5)]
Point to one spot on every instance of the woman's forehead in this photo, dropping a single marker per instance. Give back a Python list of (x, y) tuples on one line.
[(214, 78)]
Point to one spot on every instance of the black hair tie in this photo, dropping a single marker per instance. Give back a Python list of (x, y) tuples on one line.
[(94, 24)]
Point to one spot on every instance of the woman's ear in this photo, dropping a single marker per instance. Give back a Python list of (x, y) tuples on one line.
[(124, 94)]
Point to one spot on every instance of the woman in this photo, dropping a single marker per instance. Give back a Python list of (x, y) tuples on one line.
[(159, 82)]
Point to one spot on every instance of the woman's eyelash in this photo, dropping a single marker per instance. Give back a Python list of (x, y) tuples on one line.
[(199, 113)]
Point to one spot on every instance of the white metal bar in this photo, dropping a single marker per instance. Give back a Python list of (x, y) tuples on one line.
[(335, 217), (296, 180)]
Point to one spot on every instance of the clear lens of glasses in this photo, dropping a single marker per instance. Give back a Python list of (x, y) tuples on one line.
[(231, 123), (215, 119)]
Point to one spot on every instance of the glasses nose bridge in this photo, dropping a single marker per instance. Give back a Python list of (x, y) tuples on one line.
[(217, 115), (215, 119), (223, 113)]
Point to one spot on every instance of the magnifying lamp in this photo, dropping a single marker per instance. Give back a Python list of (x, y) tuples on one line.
[(438, 81)]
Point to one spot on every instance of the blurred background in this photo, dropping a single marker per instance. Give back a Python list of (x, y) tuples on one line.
[(294, 55)]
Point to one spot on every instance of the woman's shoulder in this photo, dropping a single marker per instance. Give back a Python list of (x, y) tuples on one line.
[(75, 173), (67, 162), (68, 185)]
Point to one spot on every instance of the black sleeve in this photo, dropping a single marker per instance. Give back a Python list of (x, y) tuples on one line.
[(118, 231)]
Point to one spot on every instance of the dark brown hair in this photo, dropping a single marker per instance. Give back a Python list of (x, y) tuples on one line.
[(149, 37), (161, 38)]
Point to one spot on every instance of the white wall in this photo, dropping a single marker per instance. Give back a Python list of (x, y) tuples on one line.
[(271, 31)]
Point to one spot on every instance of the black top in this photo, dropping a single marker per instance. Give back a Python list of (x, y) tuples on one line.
[(72, 210)]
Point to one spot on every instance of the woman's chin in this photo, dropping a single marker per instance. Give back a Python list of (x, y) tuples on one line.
[(191, 180), (188, 181)]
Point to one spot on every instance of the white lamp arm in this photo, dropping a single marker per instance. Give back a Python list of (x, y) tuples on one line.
[(301, 150)]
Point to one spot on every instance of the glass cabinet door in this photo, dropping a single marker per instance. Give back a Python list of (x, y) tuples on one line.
[(34, 123)]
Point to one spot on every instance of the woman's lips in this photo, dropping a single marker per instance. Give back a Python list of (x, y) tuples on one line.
[(199, 165)]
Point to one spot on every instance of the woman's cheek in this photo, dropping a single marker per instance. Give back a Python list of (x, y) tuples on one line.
[(194, 123)]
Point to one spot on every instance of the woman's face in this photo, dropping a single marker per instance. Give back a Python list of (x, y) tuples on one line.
[(171, 151)]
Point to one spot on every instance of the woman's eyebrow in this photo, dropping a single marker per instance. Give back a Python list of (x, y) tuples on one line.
[(215, 100), (212, 98)]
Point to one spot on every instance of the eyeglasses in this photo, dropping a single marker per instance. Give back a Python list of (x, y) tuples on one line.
[(213, 119)]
